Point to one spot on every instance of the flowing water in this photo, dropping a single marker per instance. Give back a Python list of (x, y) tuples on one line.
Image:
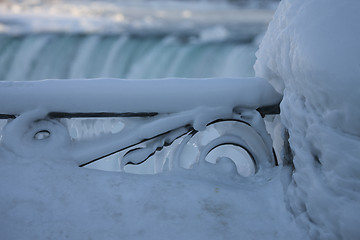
[(49, 56)]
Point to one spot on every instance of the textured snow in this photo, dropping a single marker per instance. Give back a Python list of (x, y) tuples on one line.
[(42, 199), (310, 54)]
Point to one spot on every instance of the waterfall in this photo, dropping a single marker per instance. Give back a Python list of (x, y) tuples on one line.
[(61, 56)]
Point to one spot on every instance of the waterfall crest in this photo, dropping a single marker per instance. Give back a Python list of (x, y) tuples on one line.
[(49, 56)]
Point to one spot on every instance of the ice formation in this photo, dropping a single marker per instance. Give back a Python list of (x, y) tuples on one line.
[(310, 54), (45, 195)]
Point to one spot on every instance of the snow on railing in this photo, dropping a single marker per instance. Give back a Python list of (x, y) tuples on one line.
[(210, 119)]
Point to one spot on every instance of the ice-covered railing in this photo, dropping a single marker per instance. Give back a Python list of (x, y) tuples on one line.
[(210, 120)]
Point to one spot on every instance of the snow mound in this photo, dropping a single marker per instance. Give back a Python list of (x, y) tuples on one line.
[(310, 54), (45, 199)]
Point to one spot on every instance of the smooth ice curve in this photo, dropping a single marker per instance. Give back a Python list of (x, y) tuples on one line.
[(118, 95)]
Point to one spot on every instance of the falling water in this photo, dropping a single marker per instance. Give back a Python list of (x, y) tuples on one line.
[(49, 56)]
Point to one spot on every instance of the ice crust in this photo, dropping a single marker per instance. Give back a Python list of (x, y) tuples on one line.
[(310, 54)]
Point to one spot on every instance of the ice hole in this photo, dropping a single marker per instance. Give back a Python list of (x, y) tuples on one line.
[(41, 135)]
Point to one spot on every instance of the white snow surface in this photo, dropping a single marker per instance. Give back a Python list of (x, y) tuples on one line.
[(41, 199), (310, 54)]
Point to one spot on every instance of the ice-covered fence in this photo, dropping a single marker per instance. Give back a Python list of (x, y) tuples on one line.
[(224, 112)]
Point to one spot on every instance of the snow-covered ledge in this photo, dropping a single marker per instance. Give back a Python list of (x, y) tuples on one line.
[(310, 54), (135, 96), (170, 109)]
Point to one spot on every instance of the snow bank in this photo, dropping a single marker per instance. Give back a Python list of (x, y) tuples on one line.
[(41, 199), (310, 54)]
